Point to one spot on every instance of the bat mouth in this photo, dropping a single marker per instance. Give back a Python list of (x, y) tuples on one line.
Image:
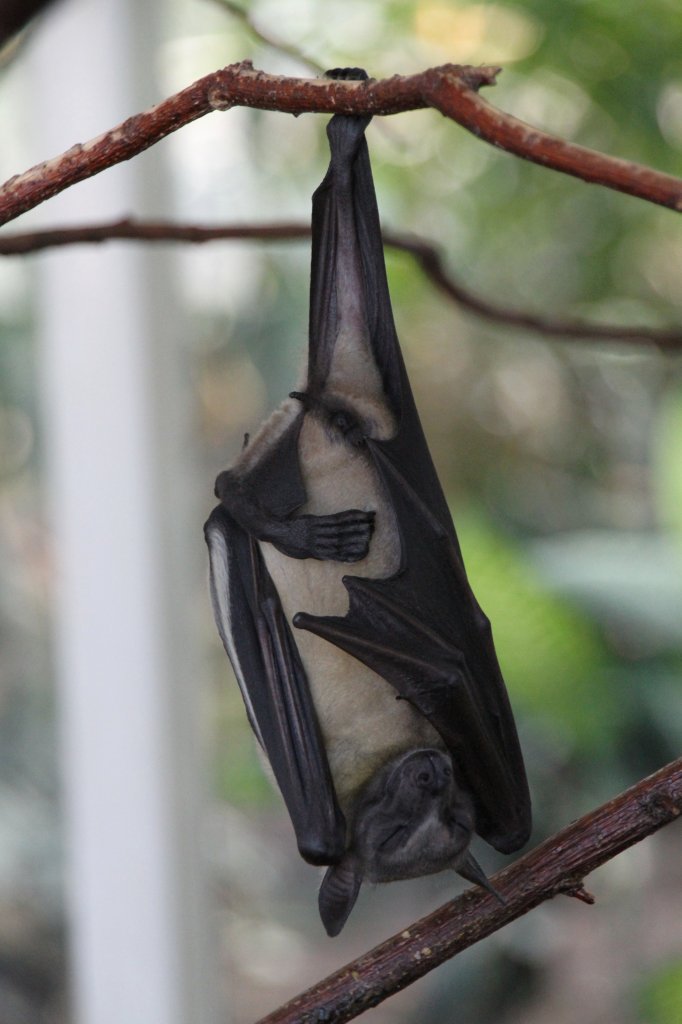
[(392, 840)]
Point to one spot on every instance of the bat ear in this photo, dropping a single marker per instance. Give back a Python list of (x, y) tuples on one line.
[(473, 872), (338, 893)]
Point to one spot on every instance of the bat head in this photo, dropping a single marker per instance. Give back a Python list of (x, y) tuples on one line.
[(411, 819)]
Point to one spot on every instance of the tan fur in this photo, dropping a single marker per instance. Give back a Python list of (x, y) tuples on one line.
[(362, 721), (353, 371)]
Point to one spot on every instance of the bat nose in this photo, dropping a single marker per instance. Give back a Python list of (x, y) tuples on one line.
[(433, 776), (427, 781)]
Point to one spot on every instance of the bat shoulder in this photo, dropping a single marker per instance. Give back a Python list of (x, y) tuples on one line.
[(276, 434)]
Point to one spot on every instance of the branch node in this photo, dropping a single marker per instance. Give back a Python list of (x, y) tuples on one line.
[(663, 807), (579, 892), (218, 100), (478, 77), (573, 886)]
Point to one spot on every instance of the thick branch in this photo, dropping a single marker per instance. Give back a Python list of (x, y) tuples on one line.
[(452, 89), (426, 254), (556, 866)]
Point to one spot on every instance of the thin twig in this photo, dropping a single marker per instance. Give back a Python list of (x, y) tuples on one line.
[(433, 266), (452, 89), (127, 228), (425, 253), (268, 39), (556, 866)]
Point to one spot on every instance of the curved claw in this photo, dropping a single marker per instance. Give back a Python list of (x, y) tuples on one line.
[(472, 871)]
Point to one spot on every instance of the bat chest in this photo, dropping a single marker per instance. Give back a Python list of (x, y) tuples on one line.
[(362, 722)]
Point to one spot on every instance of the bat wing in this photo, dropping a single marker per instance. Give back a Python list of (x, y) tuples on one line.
[(261, 647), (423, 631)]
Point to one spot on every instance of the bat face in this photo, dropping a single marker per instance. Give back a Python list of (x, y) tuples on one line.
[(368, 669), (412, 819)]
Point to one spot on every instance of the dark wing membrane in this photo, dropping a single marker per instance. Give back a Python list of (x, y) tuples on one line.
[(423, 631), (259, 642)]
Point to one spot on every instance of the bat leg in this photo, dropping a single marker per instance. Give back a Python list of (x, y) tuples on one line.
[(274, 685), (339, 537)]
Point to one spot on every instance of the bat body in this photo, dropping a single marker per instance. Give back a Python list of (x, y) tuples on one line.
[(367, 668)]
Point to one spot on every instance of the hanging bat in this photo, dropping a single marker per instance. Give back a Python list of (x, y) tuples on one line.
[(375, 693)]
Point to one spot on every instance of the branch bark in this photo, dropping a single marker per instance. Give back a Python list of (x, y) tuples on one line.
[(425, 253), (451, 89), (557, 866)]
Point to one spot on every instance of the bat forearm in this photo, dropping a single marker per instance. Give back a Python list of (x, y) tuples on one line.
[(340, 537)]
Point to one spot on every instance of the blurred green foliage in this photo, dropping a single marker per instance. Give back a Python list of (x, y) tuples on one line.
[(552, 653), (660, 997)]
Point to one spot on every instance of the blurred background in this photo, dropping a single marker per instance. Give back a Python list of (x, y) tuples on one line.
[(147, 869)]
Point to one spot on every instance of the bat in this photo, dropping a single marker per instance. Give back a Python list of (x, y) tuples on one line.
[(367, 668)]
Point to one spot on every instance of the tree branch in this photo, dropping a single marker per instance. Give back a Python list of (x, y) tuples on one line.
[(426, 254), (431, 261), (557, 866), (451, 89)]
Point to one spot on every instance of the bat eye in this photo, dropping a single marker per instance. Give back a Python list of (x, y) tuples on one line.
[(342, 421), (346, 424)]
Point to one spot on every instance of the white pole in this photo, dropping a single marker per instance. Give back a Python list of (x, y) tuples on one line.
[(126, 690)]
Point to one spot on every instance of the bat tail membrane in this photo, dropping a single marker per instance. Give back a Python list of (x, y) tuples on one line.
[(274, 685)]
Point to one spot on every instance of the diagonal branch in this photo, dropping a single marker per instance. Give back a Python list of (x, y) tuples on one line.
[(425, 253), (556, 866), (432, 264), (268, 39), (451, 89)]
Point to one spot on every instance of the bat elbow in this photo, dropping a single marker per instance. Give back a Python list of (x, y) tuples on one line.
[(512, 839), (321, 851)]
